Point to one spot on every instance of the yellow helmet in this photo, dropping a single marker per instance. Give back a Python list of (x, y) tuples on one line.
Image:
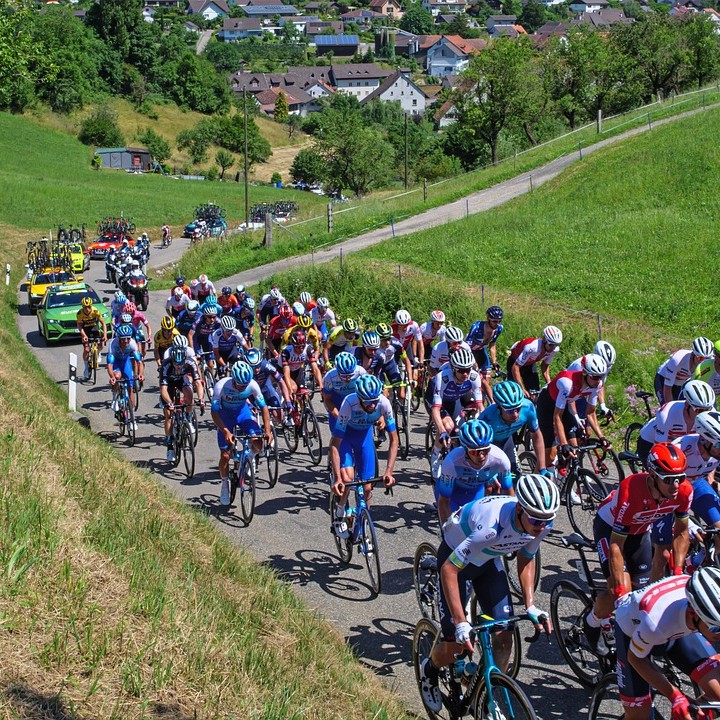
[(87, 301), (304, 321), (167, 323)]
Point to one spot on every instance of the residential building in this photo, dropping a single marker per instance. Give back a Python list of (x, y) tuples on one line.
[(317, 90), (602, 19), (451, 55), (209, 9), (364, 18), (495, 21), (358, 79), (588, 6), (266, 12), (445, 7), (389, 8), (298, 100), (322, 27), (234, 29), (338, 45), (398, 87), (168, 4)]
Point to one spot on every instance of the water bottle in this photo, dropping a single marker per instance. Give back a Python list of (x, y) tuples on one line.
[(458, 669), (469, 672)]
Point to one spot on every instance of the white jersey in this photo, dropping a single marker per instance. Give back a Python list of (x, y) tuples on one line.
[(676, 369), (577, 365), (427, 331), (338, 389), (447, 388), (485, 529), (654, 615), (534, 351), (177, 303), (669, 423), (440, 353), (328, 318), (353, 417), (697, 466)]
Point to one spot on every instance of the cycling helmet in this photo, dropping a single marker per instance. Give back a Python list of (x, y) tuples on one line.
[(323, 303), (298, 338), (305, 298), (462, 359), (211, 299), (508, 394), (87, 301), (241, 373), (249, 303), (454, 334), (179, 280), (180, 341), (130, 307), (370, 339), (126, 319), (717, 347), (667, 460), (228, 323), (178, 292), (593, 365), (192, 306), (275, 294), (475, 435), (304, 321), (606, 351), (402, 317), (240, 289), (298, 308), (167, 323), (177, 355), (495, 312), (345, 363), (124, 331), (227, 291), (707, 426), (552, 335), (702, 347), (698, 395), (285, 311), (538, 496), (253, 357), (203, 279), (135, 264), (368, 388), (703, 594), (349, 326), (120, 298), (384, 331), (209, 310), (194, 283), (437, 316)]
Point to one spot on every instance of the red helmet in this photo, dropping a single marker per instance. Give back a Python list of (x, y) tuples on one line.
[(286, 311), (130, 307), (667, 460), (299, 338)]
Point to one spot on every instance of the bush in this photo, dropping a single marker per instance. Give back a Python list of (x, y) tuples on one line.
[(212, 173), (276, 178), (100, 129)]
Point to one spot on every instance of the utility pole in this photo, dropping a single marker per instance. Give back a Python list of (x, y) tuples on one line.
[(247, 183), (406, 153)]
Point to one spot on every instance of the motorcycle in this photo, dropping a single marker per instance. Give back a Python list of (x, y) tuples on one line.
[(136, 290)]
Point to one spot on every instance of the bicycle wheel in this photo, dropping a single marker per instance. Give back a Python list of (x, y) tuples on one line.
[(402, 419), (527, 462), (187, 448), (515, 660), (423, 641), (247, 492), (510, 562), (177, 445), (271, 457), (632, 434), (344, 545), (430, 433), (209, 379), (417, 395), (584, 494), (369, 548), (291, 433), (94, 361), (568, 605), (503, 698), (605, 464), (138, 390), (605, 703), (425, 581), (130, 421), (311, 435)]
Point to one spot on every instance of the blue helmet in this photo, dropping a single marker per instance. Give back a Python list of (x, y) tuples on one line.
[(253, 357), (508, 394), (345, 363), (368, 388), (495, 312), (120, 298), (177, 355), (211, 299), (370, 339), (241, 373), (475, 435), (124, 331)]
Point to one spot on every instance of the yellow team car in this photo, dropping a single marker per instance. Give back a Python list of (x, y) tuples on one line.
[(44, 279), (78, 256)]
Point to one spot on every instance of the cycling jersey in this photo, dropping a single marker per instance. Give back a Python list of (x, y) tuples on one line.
[(354, 419), (372, 363), (323, 321), (203, 331), (163, 341), (171, 374), (697, 465), (90, 321), (446, 388), (631, 510), (189, 354), (479, 344), (462, 483), (676, 369), (139, 319), (408, 334), (116, 308), (313, 336), (228, 303), (569, 385), (390, 350), (118, 356), (227, 345), (201, 292), (668, 424), (707, 371), (338, 389), (176, 304), (428, 333), (485, 529), (531, 351), (278, 326), (338, 340), (441, 354), (227, 398), (289, 357), (502, 430), (185, 321)]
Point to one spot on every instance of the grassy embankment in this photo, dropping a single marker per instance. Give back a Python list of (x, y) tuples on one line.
[(631, 234), (117, 601)]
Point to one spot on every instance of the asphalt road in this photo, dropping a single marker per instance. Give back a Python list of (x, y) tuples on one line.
[(291, 532)]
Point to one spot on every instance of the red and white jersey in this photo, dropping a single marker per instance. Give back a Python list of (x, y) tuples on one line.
[(530, 351), (577, 365), (441, 353), (408, 334), (569, 386), (669, 424), (676, 369), (428, 332), (654, 615), (295, 360), (176, 303), (697, 466), (630, 509)]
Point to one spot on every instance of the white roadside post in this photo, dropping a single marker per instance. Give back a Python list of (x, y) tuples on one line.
[(7, 274), (72, 383)]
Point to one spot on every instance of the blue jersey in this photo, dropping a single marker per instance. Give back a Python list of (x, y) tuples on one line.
[(444, 386), (116, 355), (476, 335), (227, 398), (264, 371), (501, 430), (338, 389), (184, 322), (353, 418), (225, 344)]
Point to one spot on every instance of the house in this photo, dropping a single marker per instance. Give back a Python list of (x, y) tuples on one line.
[(714, 16), (602, 19), (588, 6), (443, 7), (148, 14), (166, 4), (322, 27), (191, 27), (451, 55), (317, 90), (495, 21), (299, 22), (234, 29), (398, 87), (388, 8), (364, 18), (405, 43), (338, 45), (297, 100), (358, 79), (424, 43), (548, 30), (125, 158), (513, 31), (321, 7), (266, 12), (209, 9)]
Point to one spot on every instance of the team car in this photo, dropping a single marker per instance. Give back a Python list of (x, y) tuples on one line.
[(79, 257), (44, 278), (99, 247), (57, 312)]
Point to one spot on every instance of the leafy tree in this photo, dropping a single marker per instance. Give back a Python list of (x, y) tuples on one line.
[(294, 122), (225, 160), (114, 21), (100, 128), (224, 56), (158, 146), (199, 87), (460, 25), (703, 48), (417, 19), (229, 132), (281, 113), (533, 16), (308, 167), (196, 142)]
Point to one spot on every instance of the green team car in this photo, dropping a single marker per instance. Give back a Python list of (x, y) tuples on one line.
[(57, 311)]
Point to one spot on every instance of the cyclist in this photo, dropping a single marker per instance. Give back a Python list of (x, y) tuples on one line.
[(138, 319), (294, 357), (475, 538), (341, 339), (526, 354), (709, 370), (227, 342), (338, 383), (676, 418), (203, 289), (621, 530), (482, 338), (455, 387), (177, 302), (269, 305), (352, 450), (306, 299), (178, 375), (470, 471), (454, 339), (510, 415), (304, 323), (166, 235), (231, 401), (181, 341), (117, 305), (91, 325), (407, 331), (265, 374), (323, 317), (200, 335), (124, 362), (241, 294), (164, 337), (366, 354), (227, 301), (607, 352), (389, 355), (679, 367), (678, 617), (430, 331), (186, 319), (246, 320), (180, 282), (277, 327), (555, 402), (211, 301)]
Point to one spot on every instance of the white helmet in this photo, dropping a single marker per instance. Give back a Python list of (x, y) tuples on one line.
[(275, 294), (538, 496), (594, 365), (702, 347), (552, 335), (323, 302), (305, 298), (240, 289), (703, 594), (454, 334), (402, 317), (227, 322), (707, 426), (698, 394), (298, 308), (437, 316), (462, 359), (606, 351), (180, 341), (203, 279)]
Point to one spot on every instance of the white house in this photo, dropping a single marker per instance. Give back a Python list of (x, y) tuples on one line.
[(358, 79), (444, 7), (589, 6), (209, 9), (451, 55), (235, 29), (398, 87)]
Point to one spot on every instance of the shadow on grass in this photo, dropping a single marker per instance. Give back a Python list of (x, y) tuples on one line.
[(27, 702)]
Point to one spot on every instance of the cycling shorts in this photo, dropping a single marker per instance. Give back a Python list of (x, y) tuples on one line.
[(545, 412), (357, 450), (93, 333), (125, 366), (659, 384), (391, 372), (244, 419), (528, 373), (706, 503), (637, 552), (482, 358)]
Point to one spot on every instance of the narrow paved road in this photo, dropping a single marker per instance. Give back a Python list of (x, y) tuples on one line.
[(203, 40)]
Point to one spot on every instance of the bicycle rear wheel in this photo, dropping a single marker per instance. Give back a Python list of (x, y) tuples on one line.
[(605, 464), (130, 421), (247, 492), (271, 457), (423, 641), (504, 698), (402, 418), (425, 581), (311, 435), (589, 491), (430, 433), (344, 545), (510, 562), (605, 703), (188, 450), (527, 462), (632, 434), (209, 379), (291, 434), (371, 551)]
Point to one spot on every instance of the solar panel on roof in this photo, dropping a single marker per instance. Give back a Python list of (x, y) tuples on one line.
[(329, 40)]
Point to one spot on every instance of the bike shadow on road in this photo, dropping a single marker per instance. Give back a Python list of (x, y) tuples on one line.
[(557, 693), (384, 644)]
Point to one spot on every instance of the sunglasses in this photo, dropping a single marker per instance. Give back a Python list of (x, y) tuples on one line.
[(462, 371), (369, 403), (552, 346), (536, 522), (513, 411), (714, 629), (477, 453), (345, 378), (672, 479)]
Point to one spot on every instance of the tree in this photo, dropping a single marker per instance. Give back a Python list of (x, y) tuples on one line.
[(417, 20), (196, 142), (533, 16), (702, 46), (229, 132), (308, 167), (100, 128), (225, 160), (115, 21), (224, 56), (199, 87), (294, 123), (281, 113), (460, 25), (158, 146)]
